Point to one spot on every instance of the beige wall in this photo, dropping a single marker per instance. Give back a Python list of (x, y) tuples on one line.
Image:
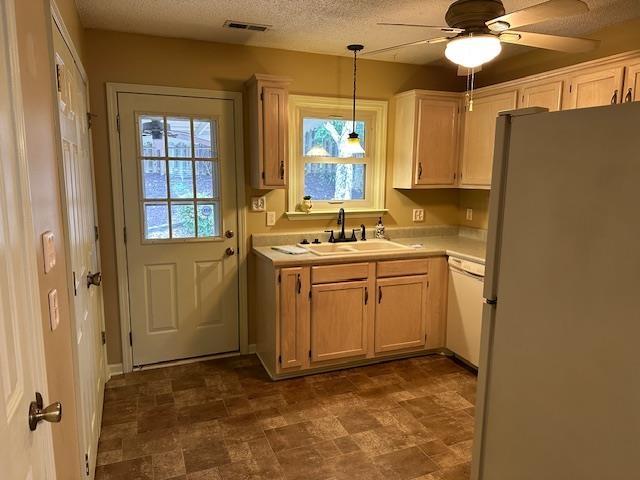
[(130, 58), (478, 201), (36, 71)]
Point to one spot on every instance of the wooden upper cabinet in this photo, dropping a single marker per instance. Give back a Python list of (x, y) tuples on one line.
[(594, 87), (267, 100), (401, 313), (479, 136), (339, 320), (294, 317), (546, 94), (426, 139), (632, 83)]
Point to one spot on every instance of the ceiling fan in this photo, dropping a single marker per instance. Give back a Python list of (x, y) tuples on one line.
[(480, 26)]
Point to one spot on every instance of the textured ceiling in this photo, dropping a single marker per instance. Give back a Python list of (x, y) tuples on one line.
[(323, 26)]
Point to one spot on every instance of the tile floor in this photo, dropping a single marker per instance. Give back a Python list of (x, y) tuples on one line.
[(224, 419)]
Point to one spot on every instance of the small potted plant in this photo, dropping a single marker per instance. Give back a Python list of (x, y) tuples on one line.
[(306, 204)]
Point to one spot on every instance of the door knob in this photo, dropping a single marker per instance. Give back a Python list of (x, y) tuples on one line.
[(94, 279), (51, 414), (230, 251), (229, 234)]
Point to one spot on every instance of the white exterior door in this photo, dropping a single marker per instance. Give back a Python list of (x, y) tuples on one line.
[(24, 455), (179, 184), (83, 252)]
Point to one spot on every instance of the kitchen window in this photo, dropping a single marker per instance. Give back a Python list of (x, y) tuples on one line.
[(321, 166)]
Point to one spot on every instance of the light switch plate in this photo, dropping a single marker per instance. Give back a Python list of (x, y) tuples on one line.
[(258, 204), (271, 219), (49, 251), (469, 214), (418, 214), (54, 310)]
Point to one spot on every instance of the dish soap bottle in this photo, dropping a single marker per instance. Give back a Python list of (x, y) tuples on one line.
[(379, 233)]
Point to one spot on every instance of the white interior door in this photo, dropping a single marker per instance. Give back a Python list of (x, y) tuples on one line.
[(82, 245), (24, 455), (178, 171)]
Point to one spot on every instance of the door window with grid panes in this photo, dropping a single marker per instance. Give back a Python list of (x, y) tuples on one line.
[(179, 174)]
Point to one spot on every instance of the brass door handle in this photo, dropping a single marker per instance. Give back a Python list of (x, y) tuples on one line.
[(230, 252), (51, 414)]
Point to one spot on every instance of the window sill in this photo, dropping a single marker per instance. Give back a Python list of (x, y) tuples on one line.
[(351, 212)]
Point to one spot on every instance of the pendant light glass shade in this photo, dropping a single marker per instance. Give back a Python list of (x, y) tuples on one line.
[(473, 50), (352, 145)]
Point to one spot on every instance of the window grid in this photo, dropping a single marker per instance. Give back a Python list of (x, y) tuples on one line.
[(170, 201)]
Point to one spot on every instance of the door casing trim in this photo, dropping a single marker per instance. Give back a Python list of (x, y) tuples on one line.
[(113, 89)]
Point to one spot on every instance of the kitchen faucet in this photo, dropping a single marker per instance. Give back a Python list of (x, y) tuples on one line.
[(341, 236)]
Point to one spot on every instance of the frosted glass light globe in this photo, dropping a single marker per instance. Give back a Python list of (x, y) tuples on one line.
[(473, 50)]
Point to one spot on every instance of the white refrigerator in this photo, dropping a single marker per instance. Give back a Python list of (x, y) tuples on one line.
[(559, 378)]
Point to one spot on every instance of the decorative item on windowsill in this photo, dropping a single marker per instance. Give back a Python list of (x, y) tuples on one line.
[(353, 145), (306, 205)]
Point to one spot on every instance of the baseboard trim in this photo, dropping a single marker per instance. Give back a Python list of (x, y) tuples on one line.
[(114, 369), (251, 348)]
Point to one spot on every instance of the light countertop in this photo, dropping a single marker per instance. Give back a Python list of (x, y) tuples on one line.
[(451, 245)]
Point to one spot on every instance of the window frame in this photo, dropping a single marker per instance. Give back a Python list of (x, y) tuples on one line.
[(374, 114), (168, 201)]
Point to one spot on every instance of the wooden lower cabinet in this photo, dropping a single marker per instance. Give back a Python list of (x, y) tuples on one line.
[(294, 317), (339, 320), (401, 312), (308, 319)]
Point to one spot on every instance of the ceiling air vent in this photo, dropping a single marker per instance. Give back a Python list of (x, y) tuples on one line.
[(255, 27)]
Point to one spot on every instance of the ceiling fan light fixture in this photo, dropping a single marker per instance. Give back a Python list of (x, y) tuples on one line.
[(471, 51)]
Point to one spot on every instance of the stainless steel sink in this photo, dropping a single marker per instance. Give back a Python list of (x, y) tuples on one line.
[(354, 248)]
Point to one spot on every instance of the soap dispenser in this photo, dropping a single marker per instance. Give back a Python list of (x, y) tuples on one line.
[(379, 232)]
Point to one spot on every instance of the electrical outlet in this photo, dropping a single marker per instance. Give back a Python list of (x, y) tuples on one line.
[(418, 214), (469, 214), (271, 219), (258, 204)]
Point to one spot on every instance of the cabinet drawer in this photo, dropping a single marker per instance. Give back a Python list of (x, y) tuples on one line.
[(339, 273), (397, 268)]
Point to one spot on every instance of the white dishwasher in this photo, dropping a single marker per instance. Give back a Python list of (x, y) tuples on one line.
[(464, 309)]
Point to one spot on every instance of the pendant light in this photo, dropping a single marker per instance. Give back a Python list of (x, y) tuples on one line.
[(353, 145)]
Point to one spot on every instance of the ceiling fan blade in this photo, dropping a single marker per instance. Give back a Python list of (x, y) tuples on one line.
[(403, 45), (537, 13), (464, 71), (435, 27), (549, 42)]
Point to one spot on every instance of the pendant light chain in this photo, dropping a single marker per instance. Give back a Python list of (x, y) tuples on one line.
[(353, 125)]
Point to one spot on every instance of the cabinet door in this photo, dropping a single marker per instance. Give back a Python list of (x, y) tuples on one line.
[(437, 303), (401, 312), (339, 320), (595, 88), (274, 136), (547, 94), (479, 137), (436, 160), (632, 83), (294, 317)]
